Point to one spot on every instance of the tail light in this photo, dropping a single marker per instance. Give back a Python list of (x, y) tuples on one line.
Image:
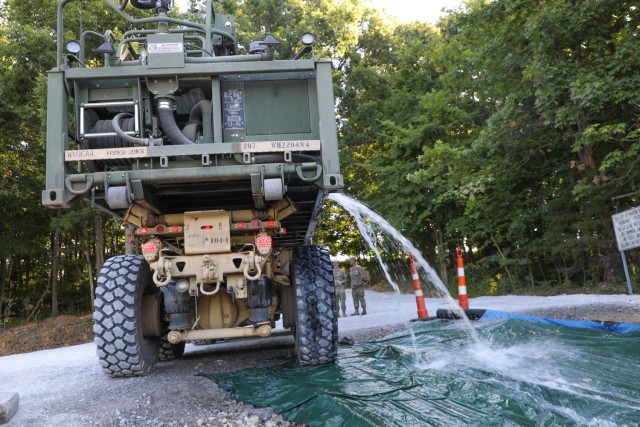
[(159, 230), (150, 250), (263, 244)]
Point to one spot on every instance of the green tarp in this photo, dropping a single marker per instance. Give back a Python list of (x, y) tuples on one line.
[(433, 373)]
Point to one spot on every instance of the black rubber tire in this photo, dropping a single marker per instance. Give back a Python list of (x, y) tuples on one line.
[(288, 298), (170, 351), (316, 327), (122, 349)]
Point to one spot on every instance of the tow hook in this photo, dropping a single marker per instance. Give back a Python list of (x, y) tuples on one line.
[(251, 266), (161, 268)]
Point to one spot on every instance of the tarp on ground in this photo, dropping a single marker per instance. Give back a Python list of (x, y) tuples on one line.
[(434, 373), (615, 327)]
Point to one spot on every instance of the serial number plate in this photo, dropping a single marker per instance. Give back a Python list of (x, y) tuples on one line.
[(106, 153), (275, 146)]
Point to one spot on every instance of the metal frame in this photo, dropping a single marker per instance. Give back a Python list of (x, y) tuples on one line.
[(67, 180)]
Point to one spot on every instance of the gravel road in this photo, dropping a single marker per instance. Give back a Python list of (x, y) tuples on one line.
[(65, 387)]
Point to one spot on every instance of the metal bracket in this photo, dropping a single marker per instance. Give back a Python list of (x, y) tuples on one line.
[(309, 166), (87, 180), (163, 86)]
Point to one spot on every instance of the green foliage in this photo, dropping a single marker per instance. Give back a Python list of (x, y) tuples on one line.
[(510, 129)]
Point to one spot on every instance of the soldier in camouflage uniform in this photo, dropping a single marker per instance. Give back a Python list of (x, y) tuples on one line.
[(357, 276), (340, 280)]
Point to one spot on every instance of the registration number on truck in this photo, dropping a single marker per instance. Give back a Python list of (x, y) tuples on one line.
[(275, 146)]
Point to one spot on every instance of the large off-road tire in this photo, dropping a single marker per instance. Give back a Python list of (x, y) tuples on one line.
[(170, 351), (127, 317), (316, 329)]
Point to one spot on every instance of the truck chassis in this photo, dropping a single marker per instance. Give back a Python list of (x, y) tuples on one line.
[(220, 161)]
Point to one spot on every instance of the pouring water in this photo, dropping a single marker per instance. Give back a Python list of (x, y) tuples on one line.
[(376, 230)]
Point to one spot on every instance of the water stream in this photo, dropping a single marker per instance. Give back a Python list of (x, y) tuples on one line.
[(378, 232)]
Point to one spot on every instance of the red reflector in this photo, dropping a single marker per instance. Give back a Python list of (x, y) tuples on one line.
[(175, 228), (206, 227), (255, 224), (283, 231), (160, 228), (240, 225), (271, 224), (143, 230), (149, 247), (263, 241)]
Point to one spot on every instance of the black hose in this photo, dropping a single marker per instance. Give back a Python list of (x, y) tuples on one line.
[(169, 126), (202, 112), (115, 123)]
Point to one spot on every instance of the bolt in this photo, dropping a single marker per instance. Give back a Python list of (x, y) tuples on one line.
[(174, 337), (264, 331)]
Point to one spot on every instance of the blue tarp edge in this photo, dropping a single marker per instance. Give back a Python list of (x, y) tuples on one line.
[(615, 327)]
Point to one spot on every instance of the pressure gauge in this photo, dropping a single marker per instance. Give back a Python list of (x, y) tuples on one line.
[(73, 47), (307, 39)]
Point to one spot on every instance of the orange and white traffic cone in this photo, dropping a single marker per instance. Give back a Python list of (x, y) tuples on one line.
[(463, 298), (417, 289)]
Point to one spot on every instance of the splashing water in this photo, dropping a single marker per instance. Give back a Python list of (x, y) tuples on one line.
[(374, 228), (534, 375)]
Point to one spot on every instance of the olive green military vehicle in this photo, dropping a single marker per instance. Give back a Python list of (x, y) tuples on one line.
[(219, 159)]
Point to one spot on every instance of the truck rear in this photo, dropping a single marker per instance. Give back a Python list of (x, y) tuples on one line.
[(220, 161)]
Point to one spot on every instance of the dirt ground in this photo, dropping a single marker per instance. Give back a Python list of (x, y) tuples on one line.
[(60, 331)]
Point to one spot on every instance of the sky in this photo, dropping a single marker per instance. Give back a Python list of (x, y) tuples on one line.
[(412, 10), (405, 10)]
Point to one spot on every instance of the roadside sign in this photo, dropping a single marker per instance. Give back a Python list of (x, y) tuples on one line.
[(627, 227)]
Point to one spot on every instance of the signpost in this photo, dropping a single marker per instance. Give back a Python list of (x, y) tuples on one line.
[(627, 228)]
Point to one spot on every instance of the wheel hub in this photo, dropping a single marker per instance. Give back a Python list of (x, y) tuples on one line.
[(151, 321)]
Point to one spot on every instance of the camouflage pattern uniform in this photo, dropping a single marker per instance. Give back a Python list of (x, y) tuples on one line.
[(357, 276), (340, 280)]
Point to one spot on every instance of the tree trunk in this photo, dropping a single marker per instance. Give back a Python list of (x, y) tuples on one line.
[(99, 232), (89, 266), (503, 258), (443, 254), (3, 264), (129, 230), (54, 268)]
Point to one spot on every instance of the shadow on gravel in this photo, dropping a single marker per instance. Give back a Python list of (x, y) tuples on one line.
[(523, 374)]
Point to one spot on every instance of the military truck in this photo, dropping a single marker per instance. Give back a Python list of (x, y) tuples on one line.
[(219, 158)]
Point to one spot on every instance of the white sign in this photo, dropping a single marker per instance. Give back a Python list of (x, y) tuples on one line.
[(165, 48), (627, 227)]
